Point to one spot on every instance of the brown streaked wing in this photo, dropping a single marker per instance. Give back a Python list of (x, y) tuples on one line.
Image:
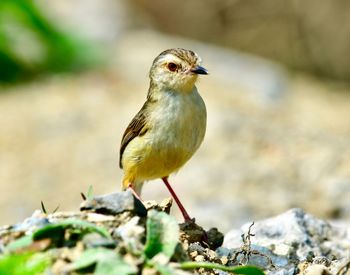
[(137, 127)]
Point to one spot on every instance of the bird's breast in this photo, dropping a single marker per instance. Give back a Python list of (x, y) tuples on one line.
[(179, 123), (176, 128)]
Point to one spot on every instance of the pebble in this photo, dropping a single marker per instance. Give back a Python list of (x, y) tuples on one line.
[(224, 260), (215, 238), (115, 203), (316, 269), (37, 220), (98, 218), (199, 258)]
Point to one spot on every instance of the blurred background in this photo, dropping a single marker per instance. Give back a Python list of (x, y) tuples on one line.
[(74, 73)]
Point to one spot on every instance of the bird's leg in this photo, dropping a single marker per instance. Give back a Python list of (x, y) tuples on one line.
[(134, 192), (179, 204)]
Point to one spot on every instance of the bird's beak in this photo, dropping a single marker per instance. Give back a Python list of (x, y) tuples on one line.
[(199, 70)]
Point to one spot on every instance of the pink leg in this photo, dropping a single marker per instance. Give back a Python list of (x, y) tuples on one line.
[(135, 193), (179, 204)]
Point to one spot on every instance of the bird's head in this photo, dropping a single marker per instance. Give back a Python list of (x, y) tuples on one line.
[(176, 69)]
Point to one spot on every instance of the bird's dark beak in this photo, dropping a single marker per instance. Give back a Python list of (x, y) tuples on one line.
[(199, 70)]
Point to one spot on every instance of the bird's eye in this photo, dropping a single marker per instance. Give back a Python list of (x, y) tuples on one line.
[(172, 67)]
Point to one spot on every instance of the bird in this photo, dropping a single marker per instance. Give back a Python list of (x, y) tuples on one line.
[(170, 126)]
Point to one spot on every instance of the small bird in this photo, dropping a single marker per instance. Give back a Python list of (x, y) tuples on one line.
[(170, 126)]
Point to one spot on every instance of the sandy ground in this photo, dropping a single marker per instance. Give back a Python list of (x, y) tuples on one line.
[(61, 134)]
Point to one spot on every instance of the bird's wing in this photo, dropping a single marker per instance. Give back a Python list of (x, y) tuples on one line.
[(137, 127)]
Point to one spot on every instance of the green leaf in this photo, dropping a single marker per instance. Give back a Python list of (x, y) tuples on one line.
[(106, 260), (24, 264), (90, 193), (90, 257), (54, 230), (166, 269), (162, 234), (114, 266), (247, 270), (20, 243), (51, 231)]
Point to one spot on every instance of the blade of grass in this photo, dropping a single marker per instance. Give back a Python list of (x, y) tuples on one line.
[(49, 230), (90, 193), (247, 270)]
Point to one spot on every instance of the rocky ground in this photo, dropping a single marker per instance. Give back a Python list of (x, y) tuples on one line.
[(117, 234)]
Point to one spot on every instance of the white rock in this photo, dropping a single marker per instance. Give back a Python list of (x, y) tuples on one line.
[(95, 217), (291, 238), (316, 269)]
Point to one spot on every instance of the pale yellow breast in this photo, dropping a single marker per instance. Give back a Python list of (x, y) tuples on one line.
[(177, 128)]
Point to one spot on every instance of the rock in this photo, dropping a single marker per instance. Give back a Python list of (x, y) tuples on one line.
[(316, 269), (150, 204), (37, 220), (98, 218), (195, 248), (285, 241), (131, 234), (193, 233), (215, 238), (322, 260), (164, 206), (115, 203), (199, 258)]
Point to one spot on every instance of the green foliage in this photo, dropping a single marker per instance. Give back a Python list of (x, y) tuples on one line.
[(166, 269), (81, 227), (162, 234), (24, 264), (56, 232), (30, 44), (90, 193), (106, 261), (247, 270)]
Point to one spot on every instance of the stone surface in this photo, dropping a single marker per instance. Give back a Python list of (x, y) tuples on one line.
[(37, 220), (131, 233), (281, 243), (215, 238), (316, 269), (164, 206), (115, 203)]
